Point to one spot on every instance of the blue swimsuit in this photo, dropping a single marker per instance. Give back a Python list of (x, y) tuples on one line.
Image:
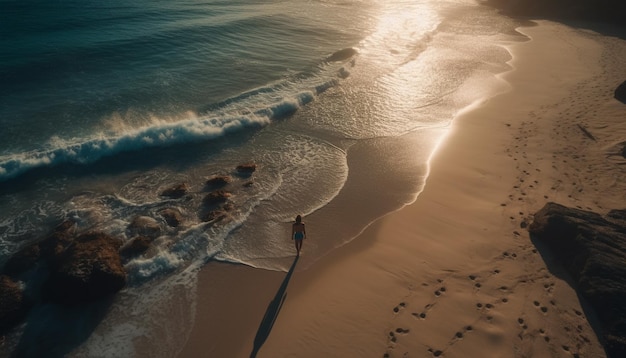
[(299, 235)]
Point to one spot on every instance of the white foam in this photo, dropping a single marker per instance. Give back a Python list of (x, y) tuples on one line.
[(252, 109)]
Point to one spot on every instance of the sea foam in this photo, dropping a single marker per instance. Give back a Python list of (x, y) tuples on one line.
[(251, 110)]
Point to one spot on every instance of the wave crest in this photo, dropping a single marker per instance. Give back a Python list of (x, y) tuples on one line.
[(237, 116)]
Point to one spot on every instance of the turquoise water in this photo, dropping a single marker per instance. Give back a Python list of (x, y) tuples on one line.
[(103, 105)]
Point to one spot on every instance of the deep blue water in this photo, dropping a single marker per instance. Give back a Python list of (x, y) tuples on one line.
[(68, 66)]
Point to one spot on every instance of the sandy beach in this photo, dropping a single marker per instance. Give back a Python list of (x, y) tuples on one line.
[(455, 273)]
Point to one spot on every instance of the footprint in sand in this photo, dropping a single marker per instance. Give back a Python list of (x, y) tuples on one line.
[(478, 285), (435, 353), (458, 335), (402, 330), (422, 315), (487, 306), (548, 286), (545, 337), (400, 306), (543, 309)]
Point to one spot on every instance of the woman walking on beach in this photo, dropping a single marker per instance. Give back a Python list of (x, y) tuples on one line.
[(298, 233)]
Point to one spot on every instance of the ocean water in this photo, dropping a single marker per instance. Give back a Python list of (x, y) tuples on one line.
[(103, 105)]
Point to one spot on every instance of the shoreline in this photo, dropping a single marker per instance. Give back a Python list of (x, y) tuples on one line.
[(454, 272)]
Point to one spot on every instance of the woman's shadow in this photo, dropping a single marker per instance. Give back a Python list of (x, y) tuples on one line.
[(272, 312)]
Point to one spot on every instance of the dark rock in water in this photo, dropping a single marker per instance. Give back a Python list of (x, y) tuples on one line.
[(343, 73), (176, 191), (592, 249), (216, 197), (172, 217), (620, 92), (13, 305), (214, 215), (144, 226), (67, 269), (342, 55), (47, 249), (218, 214), (246, 168), (59, 240), (88, 270), (23, 260), (218, 181), (136, 247)]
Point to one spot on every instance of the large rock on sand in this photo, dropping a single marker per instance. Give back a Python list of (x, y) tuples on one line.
[(88, 270), (592, 249), (620, 93)]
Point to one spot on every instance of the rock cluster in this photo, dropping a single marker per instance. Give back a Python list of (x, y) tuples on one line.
[(71, 268)]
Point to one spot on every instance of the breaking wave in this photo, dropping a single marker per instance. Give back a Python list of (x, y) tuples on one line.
[(253, 109)]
